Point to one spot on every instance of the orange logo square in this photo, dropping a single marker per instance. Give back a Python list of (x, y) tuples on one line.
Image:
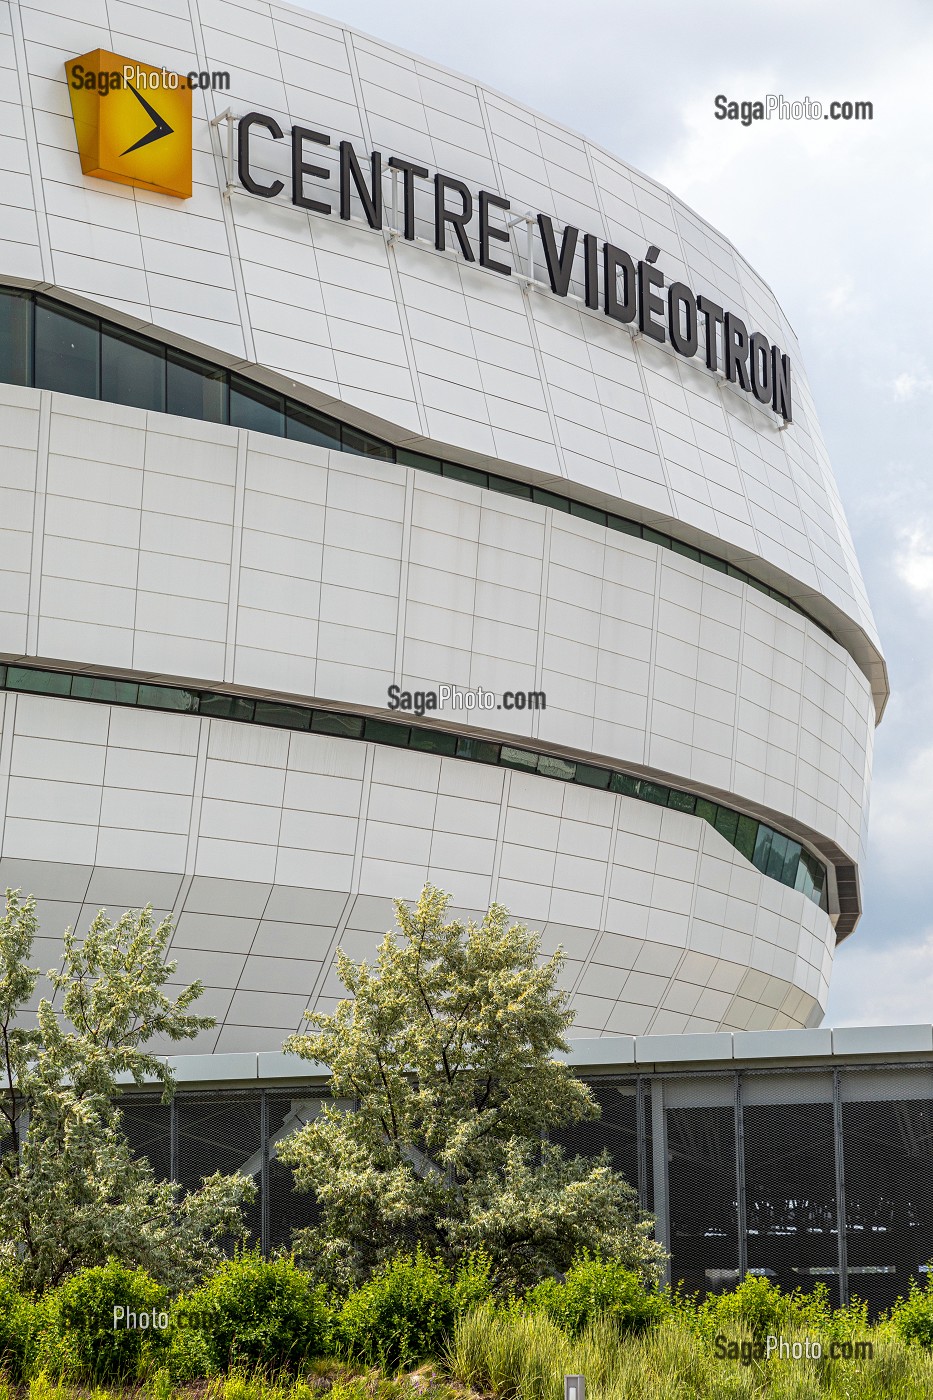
[(132, 121)]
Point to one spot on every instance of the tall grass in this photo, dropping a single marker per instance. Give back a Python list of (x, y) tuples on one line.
[(516, 1356)]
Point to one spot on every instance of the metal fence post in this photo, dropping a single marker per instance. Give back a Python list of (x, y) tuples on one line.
[(264, 1174), (641, 1142), (840, 1191), (661, 1202), (741, 1220)]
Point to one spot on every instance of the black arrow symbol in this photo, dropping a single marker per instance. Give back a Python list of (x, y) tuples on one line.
[(160, 129)]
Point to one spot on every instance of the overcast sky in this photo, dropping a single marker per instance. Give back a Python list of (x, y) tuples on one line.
[(836, 217)]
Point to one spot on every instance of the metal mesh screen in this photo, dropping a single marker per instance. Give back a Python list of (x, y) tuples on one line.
[(702, 1197), (616, 1130), (887, 1124), (221, 1132), (147, 1124), (790, 1187), (289, 1209)]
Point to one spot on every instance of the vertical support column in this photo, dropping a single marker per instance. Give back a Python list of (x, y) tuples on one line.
[(173, 1138), (840, 1190), (662, 1227), (641, 1142), (741, 1220), (264, 1174)]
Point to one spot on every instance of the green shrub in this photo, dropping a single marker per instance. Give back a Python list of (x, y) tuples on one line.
[(758, 1306), (17, 1328), (82, 1335), (404, 1313), (912, 1317), (593, 1288), (264, 1315)]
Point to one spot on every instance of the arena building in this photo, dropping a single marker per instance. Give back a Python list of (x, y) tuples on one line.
[(334, 381)]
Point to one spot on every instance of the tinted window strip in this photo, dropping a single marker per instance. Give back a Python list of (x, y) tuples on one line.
[(196, 388), (779, 857)]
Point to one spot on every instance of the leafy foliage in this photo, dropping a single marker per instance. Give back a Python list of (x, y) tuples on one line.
[(17, 1327), (253, 1313), (71, 1192), (594, 1288), (78, 1336), (912, 1317), (448, 1051), (406, 1310)]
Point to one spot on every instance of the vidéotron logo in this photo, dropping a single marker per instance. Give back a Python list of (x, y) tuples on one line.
[(132, 121)]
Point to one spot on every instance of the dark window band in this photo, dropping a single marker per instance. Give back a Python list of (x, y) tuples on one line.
[(778, 856), (45, 344)]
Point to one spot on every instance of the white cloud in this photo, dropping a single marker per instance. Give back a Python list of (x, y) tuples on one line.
[(914, 560), (909, 386)]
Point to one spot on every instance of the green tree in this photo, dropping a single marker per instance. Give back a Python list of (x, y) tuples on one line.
[(71, 1193), (447, 1052)]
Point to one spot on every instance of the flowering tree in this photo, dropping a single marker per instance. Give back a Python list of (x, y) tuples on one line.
[(71, 1192), (447, 1052)]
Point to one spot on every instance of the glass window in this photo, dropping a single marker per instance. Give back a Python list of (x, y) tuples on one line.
[(585, 512), (776, 858), (654, 537), (113, 692), (470, 475), (556, 768), (67, 350), (682, 801), (707, 810), (762, 852), (39, 682), (687, 550), (252, 406), (710, 561), (354, 440), (283, 716), (788, 875), (419, 460), (345, 726), (518, 758), (624, 527), (168, 697), (226, 706), (653, 792), (746, 833), (132, 369), (433, 741), (479, 750), (15, 336), (305, 424), (2, 675), (381, 732), (506, 487), (592, 777), (726, 823), (621, 782), (547, 498), (195, 389)]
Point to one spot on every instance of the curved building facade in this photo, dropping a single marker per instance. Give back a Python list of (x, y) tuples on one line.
[(409, 391)]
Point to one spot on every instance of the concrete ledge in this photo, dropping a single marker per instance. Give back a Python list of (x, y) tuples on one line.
[(882, 1040), (675, 1049), (601, 1050), (781, 1045), (275, 1064), (192, 1068)]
